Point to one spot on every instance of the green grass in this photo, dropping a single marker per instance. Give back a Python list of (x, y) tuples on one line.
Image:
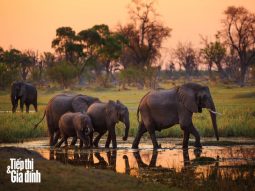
[(236, 104)]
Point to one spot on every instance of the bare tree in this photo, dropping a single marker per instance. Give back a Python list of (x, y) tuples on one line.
[(187, 58), (214, 53), (145, 34), (239, 33)]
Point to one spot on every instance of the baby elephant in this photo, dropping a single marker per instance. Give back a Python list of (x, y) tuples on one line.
[(104, 117), (75, 125)]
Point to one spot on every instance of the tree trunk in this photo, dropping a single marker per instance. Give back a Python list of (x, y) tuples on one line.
[(243, 73), (210, 70), (221, 71)]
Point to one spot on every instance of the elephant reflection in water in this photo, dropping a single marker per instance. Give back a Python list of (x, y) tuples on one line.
[(171, 176), (85, 158), (152, 165)]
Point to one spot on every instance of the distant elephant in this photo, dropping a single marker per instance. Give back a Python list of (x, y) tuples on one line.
[(104, 117), (165, 108), (61, 104), (75, 125), (26, 93)]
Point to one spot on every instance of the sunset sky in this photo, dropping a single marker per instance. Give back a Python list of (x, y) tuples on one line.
[(31, 24)]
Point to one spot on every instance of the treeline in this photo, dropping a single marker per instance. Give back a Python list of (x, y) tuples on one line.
[(131, 54)]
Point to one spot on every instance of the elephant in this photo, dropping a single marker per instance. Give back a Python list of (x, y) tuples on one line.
[(26, 93), (164, 108), (104, 117), (61, 104), (75, 125)]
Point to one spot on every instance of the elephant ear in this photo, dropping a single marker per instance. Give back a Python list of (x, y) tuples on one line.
[(188, 98), (80, 104), (112, 111)]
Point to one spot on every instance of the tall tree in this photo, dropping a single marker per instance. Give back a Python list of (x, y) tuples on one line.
[(214, 53), (65, 44), (239, 33), (187, 58), (101, 47), (145, 34)]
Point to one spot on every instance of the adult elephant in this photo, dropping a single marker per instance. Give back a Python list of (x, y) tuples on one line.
[(25, 93), (104, 117), (61, 104), (163, 109)]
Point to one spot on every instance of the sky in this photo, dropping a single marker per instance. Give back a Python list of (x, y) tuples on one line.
[(32, 24)]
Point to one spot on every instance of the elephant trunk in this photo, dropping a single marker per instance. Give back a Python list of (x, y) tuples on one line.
[(213, 117), (127, 125)]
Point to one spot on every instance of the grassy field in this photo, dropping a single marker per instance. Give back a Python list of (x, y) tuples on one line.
[(236, 104)]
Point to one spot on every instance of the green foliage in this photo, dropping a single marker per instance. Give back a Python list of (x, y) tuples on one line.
[(7, 76), (62, 73)]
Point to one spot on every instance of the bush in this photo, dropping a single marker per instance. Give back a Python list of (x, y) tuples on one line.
[(7, 76), (62, 73)]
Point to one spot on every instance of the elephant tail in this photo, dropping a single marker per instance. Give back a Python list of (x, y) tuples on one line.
[(36, 125), (138, 109)]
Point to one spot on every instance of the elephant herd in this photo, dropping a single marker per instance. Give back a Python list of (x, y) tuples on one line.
[(79, 116)]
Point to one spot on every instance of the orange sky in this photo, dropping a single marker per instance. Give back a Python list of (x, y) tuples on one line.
[(31, 24)]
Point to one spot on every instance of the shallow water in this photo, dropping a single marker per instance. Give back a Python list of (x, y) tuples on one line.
[(219, 167)]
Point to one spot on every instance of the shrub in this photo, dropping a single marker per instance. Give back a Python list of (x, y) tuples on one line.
[(7, 76), (62, 73)]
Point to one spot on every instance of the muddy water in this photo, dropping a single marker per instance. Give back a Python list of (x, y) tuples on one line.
[(215, 166)]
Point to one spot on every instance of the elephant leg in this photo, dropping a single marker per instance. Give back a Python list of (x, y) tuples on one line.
[(96, 140), (35, 106), (195, 133), (81, 136), (108, 141), (185, 141), (141, 131), (51, 134), (21, 105), (27, 108), (60, 142), (111, 131), (14, 107), (56, 137), (154, 139), (74, 140)]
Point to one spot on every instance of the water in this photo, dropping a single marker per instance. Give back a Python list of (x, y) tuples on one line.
[(212, 168)]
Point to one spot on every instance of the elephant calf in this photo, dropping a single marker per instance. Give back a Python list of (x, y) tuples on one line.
[(104, 117), (75, 125)]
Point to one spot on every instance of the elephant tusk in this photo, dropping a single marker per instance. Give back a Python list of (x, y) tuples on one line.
[(214, 112)]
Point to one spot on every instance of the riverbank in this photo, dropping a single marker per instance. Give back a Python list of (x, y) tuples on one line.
[(57, 176)]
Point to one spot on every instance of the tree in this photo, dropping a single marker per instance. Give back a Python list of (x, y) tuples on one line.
[(101, 47), (214, 53), (239, 33), (69, 49), (1, 54), (145, 34), (62, 73), (65, 44), (7, 76), (186, 56)]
